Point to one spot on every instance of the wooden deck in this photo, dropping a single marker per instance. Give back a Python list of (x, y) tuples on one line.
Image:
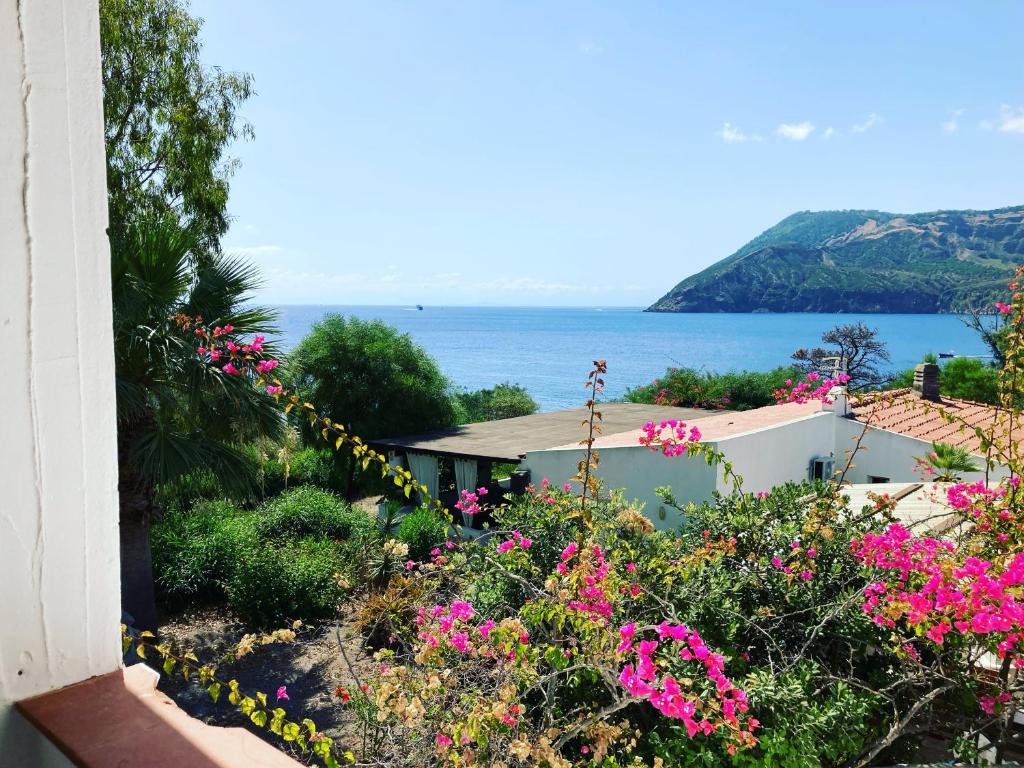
[(509, 440)]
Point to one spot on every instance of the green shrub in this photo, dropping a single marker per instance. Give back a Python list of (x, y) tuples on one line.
[(272, 586), (317, 467), (194, 552), (692, 388), (422, 529), (308, 511)]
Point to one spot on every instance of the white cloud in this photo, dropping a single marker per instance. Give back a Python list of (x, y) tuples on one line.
[(868, 124), (953, 124), (733, 134), (795, 131), (1010, 120), (829, 132), (590, 49)]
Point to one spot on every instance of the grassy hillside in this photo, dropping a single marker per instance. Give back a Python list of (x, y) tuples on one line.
[(862, 261)]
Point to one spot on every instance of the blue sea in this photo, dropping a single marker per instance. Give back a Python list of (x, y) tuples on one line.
[(549, 350)]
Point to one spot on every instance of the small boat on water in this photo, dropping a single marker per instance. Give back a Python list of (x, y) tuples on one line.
[(419, 307), (946, 355)]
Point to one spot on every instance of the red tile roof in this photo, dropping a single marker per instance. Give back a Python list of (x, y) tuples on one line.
[(903, 411)]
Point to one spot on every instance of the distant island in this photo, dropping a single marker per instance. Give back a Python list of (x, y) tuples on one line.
[(862, 261)]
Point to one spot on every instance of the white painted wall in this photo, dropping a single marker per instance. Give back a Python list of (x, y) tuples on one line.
[(886, 454), (636, 470), (59, 613), (776, 455)]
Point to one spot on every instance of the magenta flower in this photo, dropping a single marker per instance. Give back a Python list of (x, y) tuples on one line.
[(282, 693), (230, 368), (1004, 308)]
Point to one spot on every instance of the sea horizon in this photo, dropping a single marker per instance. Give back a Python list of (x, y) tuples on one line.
[(549, 350)]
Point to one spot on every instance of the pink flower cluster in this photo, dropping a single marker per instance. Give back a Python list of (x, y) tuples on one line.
[(242, 358), (813, 387), (517, 540), (469, 502), (448, 626), (1004, 308), (670, 437), (669, 694), (938, 593), (591, 574)]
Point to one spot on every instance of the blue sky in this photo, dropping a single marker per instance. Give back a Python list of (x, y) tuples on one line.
[(592, 153)]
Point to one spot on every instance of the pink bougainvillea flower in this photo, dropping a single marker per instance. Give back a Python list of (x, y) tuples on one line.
[(442, 741), (274, 389), (282, 693), (1004, 308), (230, 368)]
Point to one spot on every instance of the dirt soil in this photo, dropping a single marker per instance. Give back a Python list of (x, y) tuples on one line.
[(311, 668)]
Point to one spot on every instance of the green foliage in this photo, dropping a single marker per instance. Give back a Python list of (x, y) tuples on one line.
[(168, 119), (281, 561), (966, 378), (369, 377), (422, 529), (178, 415), (504, 401), (862, 261), (692, 388), (950, 462), (308, 511), (195, 552), (270, 586)]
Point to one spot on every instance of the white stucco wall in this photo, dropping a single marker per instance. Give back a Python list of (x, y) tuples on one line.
[(776, 455), (887, 454), (59, 610), (635, 470)]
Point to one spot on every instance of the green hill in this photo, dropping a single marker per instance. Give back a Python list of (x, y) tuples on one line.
[(862, 261)]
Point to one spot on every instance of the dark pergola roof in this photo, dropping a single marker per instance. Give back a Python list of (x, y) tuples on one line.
[(508, 440)]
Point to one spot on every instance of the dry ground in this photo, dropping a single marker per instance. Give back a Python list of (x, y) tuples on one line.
[(311, 668)]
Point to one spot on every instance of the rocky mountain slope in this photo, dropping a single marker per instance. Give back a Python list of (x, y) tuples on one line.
[(862, 261)]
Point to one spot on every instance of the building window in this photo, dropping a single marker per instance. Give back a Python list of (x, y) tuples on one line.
[(877, 479)]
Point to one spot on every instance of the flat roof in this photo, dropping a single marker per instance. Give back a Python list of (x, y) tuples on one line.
[(919, 506), (714, 425), (508, 440)]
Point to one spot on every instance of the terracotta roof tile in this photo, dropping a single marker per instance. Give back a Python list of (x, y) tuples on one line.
[(903, 411)]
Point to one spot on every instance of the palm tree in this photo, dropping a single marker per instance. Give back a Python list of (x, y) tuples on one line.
[(176, 413), (949, 462)]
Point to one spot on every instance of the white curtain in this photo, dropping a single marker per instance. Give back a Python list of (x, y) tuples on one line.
[(424, 470), (465, 480)]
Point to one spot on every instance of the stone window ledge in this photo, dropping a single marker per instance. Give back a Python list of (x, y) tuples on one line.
[(122, 720)]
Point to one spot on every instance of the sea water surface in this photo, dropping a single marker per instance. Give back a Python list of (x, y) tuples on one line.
[(549, 350)]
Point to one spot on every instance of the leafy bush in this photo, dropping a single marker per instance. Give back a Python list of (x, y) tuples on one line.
[(271, 586), (692, 388), (389, 616), (308, 511), (422, 529), (194, 552), (966, 378), (504, 401)]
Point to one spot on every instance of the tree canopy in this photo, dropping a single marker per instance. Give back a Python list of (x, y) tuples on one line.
[(371, 378), (852, 347), (503, 401), (168, 119)]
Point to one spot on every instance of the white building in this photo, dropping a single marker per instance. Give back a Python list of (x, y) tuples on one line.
[(871, 439)]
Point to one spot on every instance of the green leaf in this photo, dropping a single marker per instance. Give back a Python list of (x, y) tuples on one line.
[(169, 665), (259, 717), (310, 726), (214, 691), (262, 698), (290, 731)]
